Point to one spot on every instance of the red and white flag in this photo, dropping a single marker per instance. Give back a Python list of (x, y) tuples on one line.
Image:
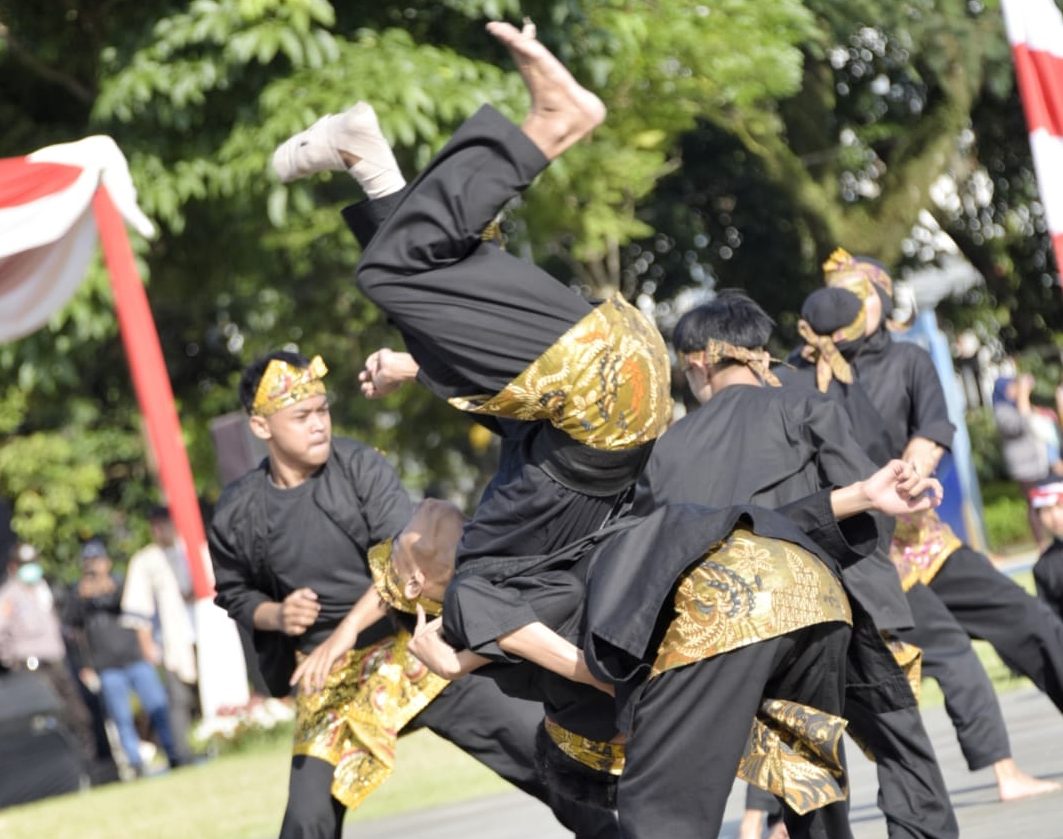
[(1035, 32), (47, 228)]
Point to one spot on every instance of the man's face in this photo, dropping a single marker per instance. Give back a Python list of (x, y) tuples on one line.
[(698, 382), (1052, 519), (873, 307), (162, 532), (423, 554), (97, 566), (300, 433)]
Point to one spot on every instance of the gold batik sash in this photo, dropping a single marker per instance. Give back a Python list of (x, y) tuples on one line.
[(599, 755), (794, 752), (910, 659), (353, 723), (606, 382), (921, 544), (749, 588)]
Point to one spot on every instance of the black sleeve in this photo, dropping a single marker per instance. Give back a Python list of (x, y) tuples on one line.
[(477, 612), (929, 415), (846, 541), (234, 584), (1049, 581), (385, 504)]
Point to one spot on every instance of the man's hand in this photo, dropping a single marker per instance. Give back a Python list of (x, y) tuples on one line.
[(385, 371), (923, 454), (316, 667), (298, 611), (897, 489), (435, 653)]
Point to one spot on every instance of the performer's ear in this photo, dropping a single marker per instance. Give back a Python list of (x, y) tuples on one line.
[(260, 427)]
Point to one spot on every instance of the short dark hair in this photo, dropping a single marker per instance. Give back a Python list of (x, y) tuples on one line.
[(731, 316), (252, 374)]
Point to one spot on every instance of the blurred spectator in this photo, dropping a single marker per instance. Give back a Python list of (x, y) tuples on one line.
[(31, 640), (113, 656), (1029, 439), (156, 600), (1047, 499)]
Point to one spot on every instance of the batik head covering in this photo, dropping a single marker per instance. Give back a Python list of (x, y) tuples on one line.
[(830, 316), (715, 351), (861, 275), (1047, 493), (389, 586), (285, 384)]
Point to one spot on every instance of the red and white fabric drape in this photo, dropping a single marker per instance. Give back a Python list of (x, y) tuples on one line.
[(1035, 31), (47, 227)]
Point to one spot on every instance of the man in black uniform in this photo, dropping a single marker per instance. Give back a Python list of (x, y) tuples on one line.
[(897, 406), (289, 542), (1046, 498), (751, 442)]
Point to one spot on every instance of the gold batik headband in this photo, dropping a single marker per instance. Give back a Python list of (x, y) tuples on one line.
[(824, 352), (284, 384), (715, 351), (389, 586), (844, 270)]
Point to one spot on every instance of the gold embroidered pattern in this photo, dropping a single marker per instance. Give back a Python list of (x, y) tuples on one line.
[(921, 544), (354, 722), (597, 754), (910, 659), (605, 382), (716, 351), (794, 752), (284, 384), (747, 589), (389, 587)]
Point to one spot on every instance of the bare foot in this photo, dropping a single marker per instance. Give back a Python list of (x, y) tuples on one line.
[(1013, 783), (562, 111)]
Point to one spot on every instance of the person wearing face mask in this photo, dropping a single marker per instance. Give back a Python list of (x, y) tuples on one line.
[(897, 406), (31, 639)]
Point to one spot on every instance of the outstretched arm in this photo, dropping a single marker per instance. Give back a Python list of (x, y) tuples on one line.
[(315, 668), (533, 642), (895, 489)]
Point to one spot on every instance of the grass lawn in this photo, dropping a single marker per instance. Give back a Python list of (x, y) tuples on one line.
[(241, 796)]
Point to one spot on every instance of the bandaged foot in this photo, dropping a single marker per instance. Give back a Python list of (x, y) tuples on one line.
[(352, 141), (562, 111)]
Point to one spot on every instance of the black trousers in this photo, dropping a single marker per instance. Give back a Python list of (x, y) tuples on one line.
[(691, 725), (969, 598), (473, 316), (883, 716), (473, 714)]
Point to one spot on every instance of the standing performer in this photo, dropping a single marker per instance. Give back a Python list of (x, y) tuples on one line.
[(754, 442), (954, 592), (1046, 500), (289, 542)]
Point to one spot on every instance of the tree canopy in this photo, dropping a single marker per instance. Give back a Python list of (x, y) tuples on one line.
[(744, 141)]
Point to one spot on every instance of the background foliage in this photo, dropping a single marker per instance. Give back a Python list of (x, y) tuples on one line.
[(744, 141)]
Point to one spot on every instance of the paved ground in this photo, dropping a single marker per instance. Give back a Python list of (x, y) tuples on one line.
[(1037, 744)]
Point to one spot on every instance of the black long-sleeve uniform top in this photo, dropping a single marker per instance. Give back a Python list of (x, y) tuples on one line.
[(1048, 576), (354, 501), (770, 446), (902, 385)]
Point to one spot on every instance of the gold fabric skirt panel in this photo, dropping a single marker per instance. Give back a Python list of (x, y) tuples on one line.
[(354, 722), (747, 589), (921, 544), (606, 382), (794, 752)]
